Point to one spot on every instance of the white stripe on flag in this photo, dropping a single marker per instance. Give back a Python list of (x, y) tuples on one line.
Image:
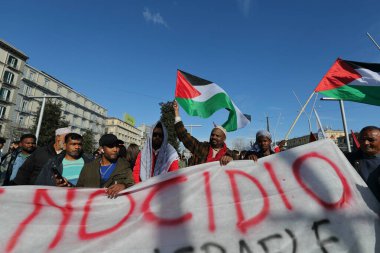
[(369, 78), (207, 91)]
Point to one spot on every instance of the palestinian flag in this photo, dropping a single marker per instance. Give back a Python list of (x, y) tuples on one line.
[(352, 81), (199, 97)]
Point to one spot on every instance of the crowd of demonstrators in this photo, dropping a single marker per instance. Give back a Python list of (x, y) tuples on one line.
[(203, 152), (366, 160), (157, 157), (109, 171), (63, 169), (13, 160), (29, 171)]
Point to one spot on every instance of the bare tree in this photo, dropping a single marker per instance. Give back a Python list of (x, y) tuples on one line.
[(240, 144)]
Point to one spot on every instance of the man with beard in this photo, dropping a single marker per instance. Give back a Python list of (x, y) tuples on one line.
[(203, 152), (109, 171), (63, 170), (367, 159), (157, 157), (32, 167), (15, 159)]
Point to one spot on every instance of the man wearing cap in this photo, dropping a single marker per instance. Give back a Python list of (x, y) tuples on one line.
[(157, 157), (31, 168), (203, 152), (262, 146), (109, 171)]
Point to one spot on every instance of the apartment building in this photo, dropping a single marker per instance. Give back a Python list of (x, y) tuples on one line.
[(124, 131), (12, 63), (22, 87)]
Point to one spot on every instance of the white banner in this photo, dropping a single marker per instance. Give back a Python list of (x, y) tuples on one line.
[(307, 199)]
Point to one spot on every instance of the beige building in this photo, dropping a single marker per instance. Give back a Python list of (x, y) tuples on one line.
[(81, 112), (298, 141), (124, 131), (12, 62), (21, 82)]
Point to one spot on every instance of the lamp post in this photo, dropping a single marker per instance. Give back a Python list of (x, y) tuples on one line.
[(41, 112)]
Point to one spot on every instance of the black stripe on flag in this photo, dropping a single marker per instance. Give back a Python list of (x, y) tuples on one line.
[(194, 80), (375, 67)]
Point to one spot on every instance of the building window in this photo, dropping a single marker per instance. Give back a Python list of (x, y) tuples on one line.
[(27, 90), (24, 106), (12, 61), (8, 77), (2, 112), (21, 120), (46, 84), (5, 94), (32, 76)]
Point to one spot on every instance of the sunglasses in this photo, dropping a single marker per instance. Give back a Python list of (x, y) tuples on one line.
[(157, 134)]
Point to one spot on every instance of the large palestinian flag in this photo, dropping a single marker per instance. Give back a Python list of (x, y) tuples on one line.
[(353, 81), (199, 97)]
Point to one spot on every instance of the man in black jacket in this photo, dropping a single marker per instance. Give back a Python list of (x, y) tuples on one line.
[(63, 170), (14, 160), (367, 159), (31, 168)]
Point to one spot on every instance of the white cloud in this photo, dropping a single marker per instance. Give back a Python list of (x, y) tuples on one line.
[(244, 6), (156, 18)]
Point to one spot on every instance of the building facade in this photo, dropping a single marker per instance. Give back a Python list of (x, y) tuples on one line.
[(22, 83), (12, 63), (124, 131), (330, 133)]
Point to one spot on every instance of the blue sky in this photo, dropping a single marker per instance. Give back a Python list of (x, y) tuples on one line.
[(124, 54)]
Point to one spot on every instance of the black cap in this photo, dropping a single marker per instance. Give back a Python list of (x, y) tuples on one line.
[(108, 140)]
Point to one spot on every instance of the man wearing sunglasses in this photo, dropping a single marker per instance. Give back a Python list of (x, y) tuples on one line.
[(157, 157)]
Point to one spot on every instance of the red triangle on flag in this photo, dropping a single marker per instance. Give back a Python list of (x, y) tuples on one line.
[(184, 89), (340, 74)]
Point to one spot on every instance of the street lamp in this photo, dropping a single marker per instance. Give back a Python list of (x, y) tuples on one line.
[(41, 112)]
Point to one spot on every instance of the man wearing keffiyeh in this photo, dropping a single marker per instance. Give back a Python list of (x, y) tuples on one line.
[(157, 157)]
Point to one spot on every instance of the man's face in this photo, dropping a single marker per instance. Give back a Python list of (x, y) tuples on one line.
[(217, 138), (264, 143), (111, 152), (74, 148), (157, 138), (370, 142), (28, 145)]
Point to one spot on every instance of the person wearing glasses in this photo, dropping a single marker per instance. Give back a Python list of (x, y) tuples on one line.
[(157, 157)]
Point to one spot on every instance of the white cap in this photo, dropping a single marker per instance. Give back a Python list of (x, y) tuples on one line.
[(61, 131), (222, 129)]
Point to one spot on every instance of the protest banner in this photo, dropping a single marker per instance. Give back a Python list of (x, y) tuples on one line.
[(307, 199)]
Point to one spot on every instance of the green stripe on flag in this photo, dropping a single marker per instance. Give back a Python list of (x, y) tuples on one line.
[(207, 108), (356, 93)]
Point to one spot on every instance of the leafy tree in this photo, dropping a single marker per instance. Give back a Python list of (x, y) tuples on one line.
[(167, 118), (52, 119), (89, 141)]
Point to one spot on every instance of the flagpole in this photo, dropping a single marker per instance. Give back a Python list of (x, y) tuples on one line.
[(345, 125), (319, 123), (299, 114), (374, 42), (342, 112)]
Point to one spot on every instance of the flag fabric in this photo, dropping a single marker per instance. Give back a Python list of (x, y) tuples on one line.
[(352, 81), (356, 142), (199, 97), (312, 137)]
